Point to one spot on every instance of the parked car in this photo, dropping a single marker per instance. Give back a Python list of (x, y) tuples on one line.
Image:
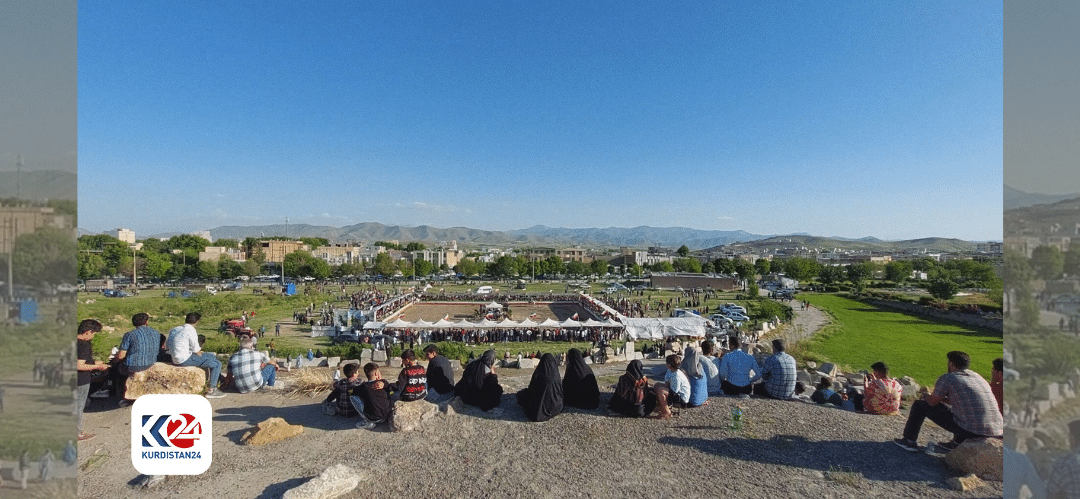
[(346, 337), (67, 288), (737, 317)]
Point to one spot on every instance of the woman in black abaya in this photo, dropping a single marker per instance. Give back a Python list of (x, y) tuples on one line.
[(579, 384), (543, 399), (479, 385), (633, 396)]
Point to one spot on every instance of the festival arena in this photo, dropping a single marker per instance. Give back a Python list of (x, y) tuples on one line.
[(455, 311)]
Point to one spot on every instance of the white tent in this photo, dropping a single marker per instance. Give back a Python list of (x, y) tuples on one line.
[(464, 324), (421, 323), (527, 323), (493, 306), (374, 325), (550, 323), (592, 323), (570, 323), (399, 324), (486, 324), (508, 323), (442, 324), (655, 329)]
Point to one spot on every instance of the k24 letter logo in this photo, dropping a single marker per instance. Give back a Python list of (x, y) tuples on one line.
[(180, 431)]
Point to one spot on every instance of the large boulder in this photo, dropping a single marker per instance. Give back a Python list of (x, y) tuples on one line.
[(828, 369), (334, 481), (981, 456), (408, 416), (271, 430), (165, 379), (378, 356), (528, 364), (394, 362)]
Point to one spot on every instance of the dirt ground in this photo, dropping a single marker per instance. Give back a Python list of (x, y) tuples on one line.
[(432, 312)]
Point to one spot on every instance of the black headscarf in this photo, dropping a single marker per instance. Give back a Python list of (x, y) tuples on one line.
[(628, 399), (579, 383), (478, 385), (543, 399)]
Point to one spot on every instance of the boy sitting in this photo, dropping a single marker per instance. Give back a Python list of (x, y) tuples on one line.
[(372, 399), (412, 382), (340, 393)]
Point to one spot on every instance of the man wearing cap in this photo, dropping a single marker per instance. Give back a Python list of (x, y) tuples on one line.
[(1064, 481), (971, 410)]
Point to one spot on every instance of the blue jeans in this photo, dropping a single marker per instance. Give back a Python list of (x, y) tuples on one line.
[(206, 361), (269, 374)]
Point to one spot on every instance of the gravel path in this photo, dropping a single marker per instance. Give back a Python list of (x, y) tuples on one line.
[(787, 449)]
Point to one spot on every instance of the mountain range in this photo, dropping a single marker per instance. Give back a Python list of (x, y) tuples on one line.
[(611, 237), (38, 185), (1016, 198)]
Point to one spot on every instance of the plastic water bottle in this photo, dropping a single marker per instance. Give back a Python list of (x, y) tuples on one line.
[(736, 417)]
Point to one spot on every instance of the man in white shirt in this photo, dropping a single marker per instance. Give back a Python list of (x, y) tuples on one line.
[(735, 368), (711, 369), (183, 345)]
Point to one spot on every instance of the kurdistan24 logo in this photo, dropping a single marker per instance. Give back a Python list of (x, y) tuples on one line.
[(171, 434)]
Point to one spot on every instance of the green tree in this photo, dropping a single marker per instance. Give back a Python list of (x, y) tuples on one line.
[(208, 269), (831, 274), (745, 269), (423, 267), (45, 255), (250, 268), (943, 289), (187, 242), (227, 243), (683, 251), (664, 266), (503, 267), (91, 265), (635, 270), (898, 271), (318, 268), (859, 274), (298, 263), (598, 267), (801, 269), (762, 266), (576, 268), (384, 265), (687, 265), (724, 266), (228, 268), (707, 268), (157, 265), (1048, 262), (415, 247), (555, 265)]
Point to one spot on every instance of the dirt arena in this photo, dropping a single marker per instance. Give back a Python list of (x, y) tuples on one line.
[(432, 312)]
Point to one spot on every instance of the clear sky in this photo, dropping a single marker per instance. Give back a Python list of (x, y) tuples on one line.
[(831, 118), (1042, 86), (38, 85)]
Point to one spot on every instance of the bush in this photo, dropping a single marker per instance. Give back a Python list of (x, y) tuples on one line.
[(453, 351)]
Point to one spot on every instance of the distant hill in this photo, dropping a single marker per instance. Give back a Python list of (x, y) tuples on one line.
[(611, 237), (1015, 198), (1038, 219), (38, 185), (866, 243)]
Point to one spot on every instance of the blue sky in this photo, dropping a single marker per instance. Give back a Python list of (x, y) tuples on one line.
[(836, 118)]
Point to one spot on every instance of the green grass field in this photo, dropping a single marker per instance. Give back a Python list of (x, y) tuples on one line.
[(910, 345)]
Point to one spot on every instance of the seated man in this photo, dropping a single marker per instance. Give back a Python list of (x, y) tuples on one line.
[(882, 393), (412, 381), (712, 371), (971, 413), (372, 399), (251, 369), (342, 388), (674, 388), (440, 376), (138, 352), (735, 369), (778, 374), (185, 350)]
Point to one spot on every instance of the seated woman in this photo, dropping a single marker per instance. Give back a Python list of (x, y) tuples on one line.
[(579, 384), (632, 395), (699, 383), (479, 386), (543, 399)]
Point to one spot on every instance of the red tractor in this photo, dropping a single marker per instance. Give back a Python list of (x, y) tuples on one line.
[(236, 327)]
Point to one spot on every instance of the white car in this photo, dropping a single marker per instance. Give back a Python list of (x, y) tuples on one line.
[(67, 288), (733, 309), (737, 317)]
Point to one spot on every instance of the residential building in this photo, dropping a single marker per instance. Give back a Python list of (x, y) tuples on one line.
[(125, 235)]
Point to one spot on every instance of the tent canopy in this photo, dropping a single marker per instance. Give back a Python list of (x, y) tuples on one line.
[(660, 328)]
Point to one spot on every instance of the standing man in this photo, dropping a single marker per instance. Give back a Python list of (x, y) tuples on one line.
[(971, 412), (778, 374), (138, 351), (251, 369), (183, 344), (85, 364)]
